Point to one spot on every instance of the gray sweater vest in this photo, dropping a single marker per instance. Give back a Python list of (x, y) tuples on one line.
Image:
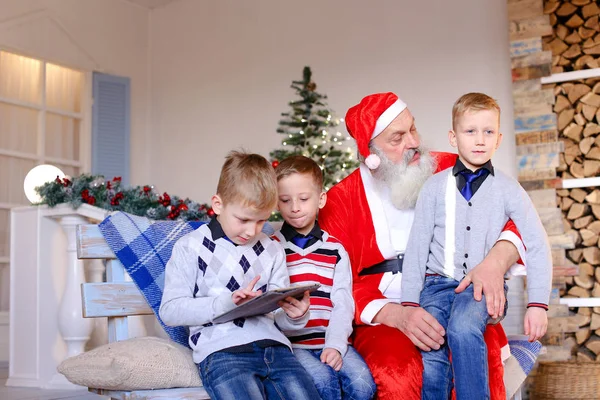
[(441, 209)]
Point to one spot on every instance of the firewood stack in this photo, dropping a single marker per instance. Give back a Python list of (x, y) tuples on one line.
[(575, 41), (578, 108), (575, 45), (557, 130)]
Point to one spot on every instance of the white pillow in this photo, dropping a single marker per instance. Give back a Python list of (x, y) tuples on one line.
[(134, 364)]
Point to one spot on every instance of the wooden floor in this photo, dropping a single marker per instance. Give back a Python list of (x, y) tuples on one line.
[(19, 393)]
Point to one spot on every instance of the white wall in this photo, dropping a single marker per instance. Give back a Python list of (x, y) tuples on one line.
[(109, 36), (221, 72)]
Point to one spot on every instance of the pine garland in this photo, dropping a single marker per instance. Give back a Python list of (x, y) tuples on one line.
[(112, 196)]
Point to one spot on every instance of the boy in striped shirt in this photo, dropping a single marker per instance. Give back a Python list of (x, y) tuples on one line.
[(313, 256)]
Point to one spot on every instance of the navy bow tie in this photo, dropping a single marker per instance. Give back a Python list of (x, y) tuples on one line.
[(301, 241), (467, 190)]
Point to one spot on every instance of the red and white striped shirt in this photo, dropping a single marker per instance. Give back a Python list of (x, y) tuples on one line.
[(331, 307)]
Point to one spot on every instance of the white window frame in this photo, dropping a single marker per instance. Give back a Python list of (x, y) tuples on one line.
[(85, 125)]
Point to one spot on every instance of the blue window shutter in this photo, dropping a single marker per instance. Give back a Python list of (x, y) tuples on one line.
[(111, 126)]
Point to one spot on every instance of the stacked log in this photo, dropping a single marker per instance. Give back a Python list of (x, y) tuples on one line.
[(557, 133), (575, 40), (578, 118)]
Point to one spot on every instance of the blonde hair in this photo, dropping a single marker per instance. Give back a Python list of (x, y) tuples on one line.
[(248, 179), (473, 102), (300, 165)]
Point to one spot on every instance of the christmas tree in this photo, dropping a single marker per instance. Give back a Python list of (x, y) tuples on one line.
[(310, 130)]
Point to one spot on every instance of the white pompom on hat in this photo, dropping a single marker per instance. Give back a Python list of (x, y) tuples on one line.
[(366, 120)]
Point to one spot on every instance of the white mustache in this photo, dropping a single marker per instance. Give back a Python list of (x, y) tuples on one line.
[(410, 154)]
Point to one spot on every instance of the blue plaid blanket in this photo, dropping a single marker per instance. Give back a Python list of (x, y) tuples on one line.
[(144, 246), (524, 351)]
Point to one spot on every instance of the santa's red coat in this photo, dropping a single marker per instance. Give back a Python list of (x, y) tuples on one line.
[(394, 361)]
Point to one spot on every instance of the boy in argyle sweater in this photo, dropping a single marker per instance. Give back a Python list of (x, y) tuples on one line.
[(220, 266), (313, 256), (458, 217)]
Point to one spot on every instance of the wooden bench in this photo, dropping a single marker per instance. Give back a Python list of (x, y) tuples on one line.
[(118, 299)]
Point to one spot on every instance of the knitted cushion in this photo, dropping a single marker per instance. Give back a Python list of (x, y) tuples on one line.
[(134, 364)]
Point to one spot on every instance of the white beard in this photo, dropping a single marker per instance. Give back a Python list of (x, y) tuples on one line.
[(405, 181)]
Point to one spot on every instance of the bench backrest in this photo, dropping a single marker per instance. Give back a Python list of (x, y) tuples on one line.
[(118, 297)]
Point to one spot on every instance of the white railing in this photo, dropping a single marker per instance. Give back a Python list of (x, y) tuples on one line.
[(46, 322)]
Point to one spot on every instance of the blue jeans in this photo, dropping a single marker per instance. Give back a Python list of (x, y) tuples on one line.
[(352, 382), (265, 373), (464, 321)]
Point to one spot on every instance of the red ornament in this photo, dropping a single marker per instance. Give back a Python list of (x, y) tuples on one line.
[(275, 164), (210, 212), (147, 189), (117, 179), (108, 185)]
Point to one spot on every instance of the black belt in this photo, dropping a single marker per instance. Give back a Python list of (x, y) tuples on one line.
[(394, 265)]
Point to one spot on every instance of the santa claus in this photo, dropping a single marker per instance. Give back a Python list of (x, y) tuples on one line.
[(371, 213)]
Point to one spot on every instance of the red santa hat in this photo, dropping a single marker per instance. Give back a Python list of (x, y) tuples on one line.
[(366, 120)]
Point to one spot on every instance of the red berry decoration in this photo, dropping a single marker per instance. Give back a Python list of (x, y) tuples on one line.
[(275, 164), (165, 199), (116, 199), (210, 212)]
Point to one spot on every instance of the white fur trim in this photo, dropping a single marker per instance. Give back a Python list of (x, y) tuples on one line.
[(380, 225), (515, 269), (372, 161), (371, 310), (450, 238), (387, 117)]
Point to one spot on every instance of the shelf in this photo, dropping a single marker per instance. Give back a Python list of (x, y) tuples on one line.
[(571, 76), (581, 301), (580, 182)]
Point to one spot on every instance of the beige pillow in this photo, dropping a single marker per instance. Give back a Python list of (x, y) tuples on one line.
[(134, 364)]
